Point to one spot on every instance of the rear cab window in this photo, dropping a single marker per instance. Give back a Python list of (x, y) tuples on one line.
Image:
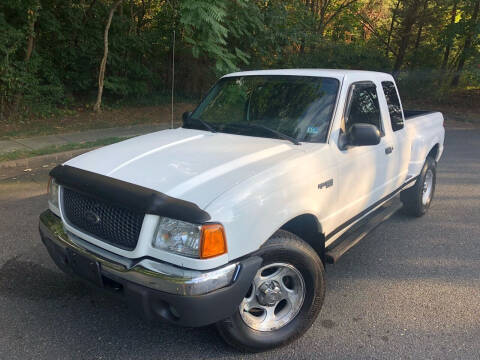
[(393, 103)]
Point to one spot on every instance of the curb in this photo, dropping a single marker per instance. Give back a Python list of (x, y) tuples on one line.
[(122, 132)]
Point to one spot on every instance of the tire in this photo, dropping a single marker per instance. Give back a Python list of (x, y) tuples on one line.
[(287, 259), (415, 199)]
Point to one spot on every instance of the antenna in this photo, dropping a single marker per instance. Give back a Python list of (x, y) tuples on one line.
[(173, 70)]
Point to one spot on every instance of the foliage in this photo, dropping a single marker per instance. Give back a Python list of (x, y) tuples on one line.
[(50, 50)]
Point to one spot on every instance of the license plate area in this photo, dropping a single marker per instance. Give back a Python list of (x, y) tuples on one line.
[(85, 268)]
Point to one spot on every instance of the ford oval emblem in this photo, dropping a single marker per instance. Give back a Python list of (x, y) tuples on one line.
[(91, 217)]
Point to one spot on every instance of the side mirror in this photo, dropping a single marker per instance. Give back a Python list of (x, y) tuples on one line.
[(186, 115), (363, 135)]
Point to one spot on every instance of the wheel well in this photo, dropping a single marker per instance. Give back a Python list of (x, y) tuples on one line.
[(307, 227), (434, 152)]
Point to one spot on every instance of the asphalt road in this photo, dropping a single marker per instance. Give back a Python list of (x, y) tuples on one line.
[(411, 289)]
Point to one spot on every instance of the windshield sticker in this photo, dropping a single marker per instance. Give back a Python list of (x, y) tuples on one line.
[(312, 130)]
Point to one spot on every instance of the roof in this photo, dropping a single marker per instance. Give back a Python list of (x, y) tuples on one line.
[(335, 73)]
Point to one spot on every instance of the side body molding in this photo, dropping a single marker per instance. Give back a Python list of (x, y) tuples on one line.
[(128, 195)]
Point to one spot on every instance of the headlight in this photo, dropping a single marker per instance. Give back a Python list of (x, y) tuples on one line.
[(196, 241), (53, 196), (178, 237)]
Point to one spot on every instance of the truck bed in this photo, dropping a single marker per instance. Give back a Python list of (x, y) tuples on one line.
[(409, 114), (425, 129)]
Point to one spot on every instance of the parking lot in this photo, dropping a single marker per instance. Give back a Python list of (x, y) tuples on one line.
[(411, 289)]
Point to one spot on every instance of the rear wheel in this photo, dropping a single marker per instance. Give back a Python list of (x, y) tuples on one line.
[(284, 298), (417, 199)]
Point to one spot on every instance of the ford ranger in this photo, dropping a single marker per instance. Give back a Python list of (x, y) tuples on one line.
[(231, 218)]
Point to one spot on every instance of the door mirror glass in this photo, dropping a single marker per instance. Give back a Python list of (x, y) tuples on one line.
[(363, 135)]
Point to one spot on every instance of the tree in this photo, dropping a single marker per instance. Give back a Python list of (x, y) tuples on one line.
[(450, 35), (54, 53), (326, 11), (409, 17), (472, 31), (392, 24), (32, 19), (103, 63)]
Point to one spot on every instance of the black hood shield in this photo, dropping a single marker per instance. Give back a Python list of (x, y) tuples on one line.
[(128, 195)]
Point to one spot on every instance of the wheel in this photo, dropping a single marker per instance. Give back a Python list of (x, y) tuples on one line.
[(284, 299), (417, 199)]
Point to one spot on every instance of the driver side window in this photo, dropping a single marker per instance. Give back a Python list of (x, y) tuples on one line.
[(363, 107)]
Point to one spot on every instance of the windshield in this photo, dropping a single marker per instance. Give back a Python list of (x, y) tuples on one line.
[(299, 107)]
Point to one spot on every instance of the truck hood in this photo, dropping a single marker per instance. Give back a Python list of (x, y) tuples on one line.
[(192, 165)]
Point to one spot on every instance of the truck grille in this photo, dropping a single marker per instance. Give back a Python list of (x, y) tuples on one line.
[(107, 222)]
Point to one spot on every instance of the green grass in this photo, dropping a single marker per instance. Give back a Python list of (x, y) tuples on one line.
[(22, 154), (82, 118)]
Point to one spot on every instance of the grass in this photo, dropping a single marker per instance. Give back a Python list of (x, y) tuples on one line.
[(82, 118), (21, 154), (465, 114), (460, 105)]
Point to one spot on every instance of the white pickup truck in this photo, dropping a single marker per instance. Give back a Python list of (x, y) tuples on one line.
[(231, 218)]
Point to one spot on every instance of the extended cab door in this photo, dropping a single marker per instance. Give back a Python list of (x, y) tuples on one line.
[(399, 145), (364, 174)]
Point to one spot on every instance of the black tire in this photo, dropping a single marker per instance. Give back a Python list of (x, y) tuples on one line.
[(412, 198), (287, 248)]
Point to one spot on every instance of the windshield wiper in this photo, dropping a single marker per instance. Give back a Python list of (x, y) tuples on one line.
[(277, 133), (205, 124)]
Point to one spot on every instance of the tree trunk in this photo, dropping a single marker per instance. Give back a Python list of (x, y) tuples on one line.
[(405, 34), (132, 18), (392, 24), (32, 16), (419, 37), (468, 44), (103, 64), (450, 38), (28, 54), (420, 26)]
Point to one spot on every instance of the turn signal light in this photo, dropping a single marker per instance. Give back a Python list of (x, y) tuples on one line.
[(213, 241)]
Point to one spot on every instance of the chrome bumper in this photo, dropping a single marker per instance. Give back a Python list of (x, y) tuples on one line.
[(151, 274)]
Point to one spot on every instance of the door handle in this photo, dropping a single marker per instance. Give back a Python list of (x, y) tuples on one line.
[(389, 150)]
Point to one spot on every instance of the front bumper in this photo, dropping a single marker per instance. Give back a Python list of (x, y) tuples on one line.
[(157, 290)]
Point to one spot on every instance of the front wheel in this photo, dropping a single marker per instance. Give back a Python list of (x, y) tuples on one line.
[(284, 298)]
